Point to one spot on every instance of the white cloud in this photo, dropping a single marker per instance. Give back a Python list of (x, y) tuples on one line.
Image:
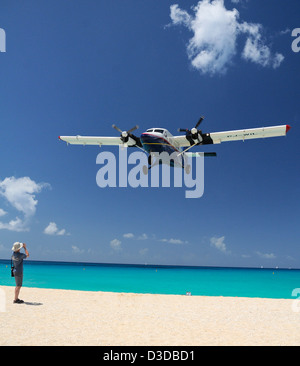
[(52, 229), (174, 241), (143, 237), (255, 50), (20, 194), (214, 42), (278, 58), (76, 250), (179, 16), (238, 1), (15, 225), (128, 236), (218, 243), (266, 255), (115, 244), (2, 212), (287, 30)]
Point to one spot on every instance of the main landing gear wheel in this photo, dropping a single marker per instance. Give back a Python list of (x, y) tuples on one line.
[(187, 169), (145, 169)]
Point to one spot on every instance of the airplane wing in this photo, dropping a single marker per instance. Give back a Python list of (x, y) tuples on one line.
[(91, 140), (100, 140), (235, 135)]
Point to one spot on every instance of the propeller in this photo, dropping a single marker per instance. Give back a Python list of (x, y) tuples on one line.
[(192, 135), (193, 132), (125, 134)]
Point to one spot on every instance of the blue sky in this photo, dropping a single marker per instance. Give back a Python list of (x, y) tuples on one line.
[(77, 67)]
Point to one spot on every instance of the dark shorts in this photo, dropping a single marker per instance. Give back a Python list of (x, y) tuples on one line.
[(19, 280)]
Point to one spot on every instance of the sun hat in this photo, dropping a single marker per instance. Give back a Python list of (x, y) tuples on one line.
[(17, 246)]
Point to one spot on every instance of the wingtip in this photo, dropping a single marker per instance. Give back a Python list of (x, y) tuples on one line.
[(288, 127)]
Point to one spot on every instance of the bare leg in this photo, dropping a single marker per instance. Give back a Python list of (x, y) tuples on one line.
[(17, 291)]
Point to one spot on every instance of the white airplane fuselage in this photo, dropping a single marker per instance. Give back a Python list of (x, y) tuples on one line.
[(160, 140)]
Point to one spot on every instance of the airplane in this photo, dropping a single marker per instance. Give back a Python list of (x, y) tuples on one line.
[(158, 140)]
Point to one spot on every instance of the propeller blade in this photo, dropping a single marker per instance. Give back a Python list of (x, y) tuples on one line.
[(196, 127), (116, 128), (133, 128), (198, 123)]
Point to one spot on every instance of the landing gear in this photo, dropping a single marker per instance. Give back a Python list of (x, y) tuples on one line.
[(147, 168), (187, 168)]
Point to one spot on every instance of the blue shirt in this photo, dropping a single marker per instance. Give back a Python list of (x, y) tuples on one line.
[(17, 259)]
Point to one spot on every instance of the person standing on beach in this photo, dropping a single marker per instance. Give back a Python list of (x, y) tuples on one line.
[(17, 259)]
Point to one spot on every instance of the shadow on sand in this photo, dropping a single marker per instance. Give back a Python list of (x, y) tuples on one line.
[(33, 303)]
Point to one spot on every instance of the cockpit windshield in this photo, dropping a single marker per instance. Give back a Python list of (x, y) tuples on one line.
[(158, 130)]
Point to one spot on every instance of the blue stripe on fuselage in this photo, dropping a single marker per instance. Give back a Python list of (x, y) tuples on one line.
[(154, 143), (157, 144)]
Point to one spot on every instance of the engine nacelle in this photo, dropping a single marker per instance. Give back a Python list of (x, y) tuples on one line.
[(131, 142), (195, 137)]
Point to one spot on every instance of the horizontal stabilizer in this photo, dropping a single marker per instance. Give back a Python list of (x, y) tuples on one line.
[(198, 154)]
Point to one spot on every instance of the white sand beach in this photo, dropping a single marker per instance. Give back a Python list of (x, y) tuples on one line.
[(67, 317)]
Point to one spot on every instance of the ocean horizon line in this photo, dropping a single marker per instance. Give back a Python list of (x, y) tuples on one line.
[(148, 265)]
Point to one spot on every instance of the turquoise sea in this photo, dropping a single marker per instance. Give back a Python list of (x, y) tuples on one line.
[(207, 281)]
